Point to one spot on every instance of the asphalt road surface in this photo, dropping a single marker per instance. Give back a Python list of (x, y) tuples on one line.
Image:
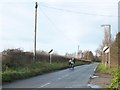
[(68, 78)]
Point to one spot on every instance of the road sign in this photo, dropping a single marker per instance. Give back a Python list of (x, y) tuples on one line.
[(50, 51), (50, 55), (106, 49)]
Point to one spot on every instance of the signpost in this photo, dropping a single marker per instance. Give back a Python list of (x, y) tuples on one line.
[(106, 50), (109, 44), (50, 55)]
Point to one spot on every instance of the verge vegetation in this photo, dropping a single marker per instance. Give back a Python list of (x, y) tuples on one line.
[(17, 64), (34, 69), (115, 72)]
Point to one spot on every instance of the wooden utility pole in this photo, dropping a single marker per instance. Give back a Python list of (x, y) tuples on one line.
[(36, 5)]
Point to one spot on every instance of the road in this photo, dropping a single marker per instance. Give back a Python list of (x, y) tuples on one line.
[(68, 78)]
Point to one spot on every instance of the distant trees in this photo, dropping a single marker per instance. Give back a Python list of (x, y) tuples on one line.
[(79, 54), (85, 55), (107, 36), (70, 55), (98, 55), (42, 52), (88, 55), (91, 56)]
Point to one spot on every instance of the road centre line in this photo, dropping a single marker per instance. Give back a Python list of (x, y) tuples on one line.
[(44, 85), (61, 78), (54, 80)]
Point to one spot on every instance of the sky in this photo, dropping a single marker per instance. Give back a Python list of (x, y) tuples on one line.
[(62, 25)]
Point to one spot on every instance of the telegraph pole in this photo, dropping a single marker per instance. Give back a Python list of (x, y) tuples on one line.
[(36, 6)]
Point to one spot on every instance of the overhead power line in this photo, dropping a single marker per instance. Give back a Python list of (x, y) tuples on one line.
[(54, 24), (77, 12), (49, 19)]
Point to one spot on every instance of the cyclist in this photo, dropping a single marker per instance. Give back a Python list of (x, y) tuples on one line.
[(71, 63)]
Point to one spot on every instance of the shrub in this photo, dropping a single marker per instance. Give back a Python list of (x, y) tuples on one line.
[(116, 80)]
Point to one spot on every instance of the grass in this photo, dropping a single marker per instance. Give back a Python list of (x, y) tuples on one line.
[(105, 69), (115, 72), (34, 69), (115, 84)]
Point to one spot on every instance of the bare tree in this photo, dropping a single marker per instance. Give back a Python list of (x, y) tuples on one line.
[(70, 55), (107, 36), (106, 40)]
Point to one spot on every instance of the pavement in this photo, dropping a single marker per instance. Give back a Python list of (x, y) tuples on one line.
[(68, 78), (100, 80)]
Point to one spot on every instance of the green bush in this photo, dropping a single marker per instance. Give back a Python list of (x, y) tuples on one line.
[(115, 83), (116, 80)]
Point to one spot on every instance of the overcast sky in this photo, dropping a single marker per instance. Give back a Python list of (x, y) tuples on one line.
[(62, 25)]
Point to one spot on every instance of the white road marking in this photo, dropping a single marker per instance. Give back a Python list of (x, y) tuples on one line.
[(95, 69), (54, 80), (59, 78), (44, 85), (95, 76), (68, 87)]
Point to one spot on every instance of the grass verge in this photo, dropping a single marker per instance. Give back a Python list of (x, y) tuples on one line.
[(105, 70), (115, 84), (115, 72), (34, 69)]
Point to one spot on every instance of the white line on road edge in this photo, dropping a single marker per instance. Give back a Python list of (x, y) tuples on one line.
[(95, 68), (44, 85), (68, 87)]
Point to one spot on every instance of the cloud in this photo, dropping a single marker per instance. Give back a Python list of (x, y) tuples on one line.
[(60, 30)]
